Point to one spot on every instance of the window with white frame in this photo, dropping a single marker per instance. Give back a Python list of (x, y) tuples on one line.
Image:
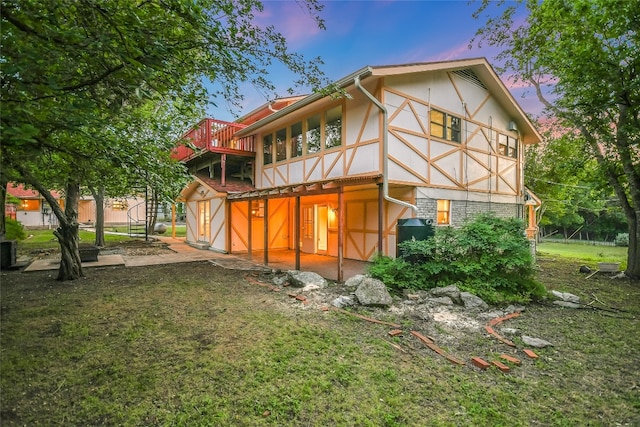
[(281, 144), (507, 146), (313, 134), (267, 146), (333, 127), (296, 139)]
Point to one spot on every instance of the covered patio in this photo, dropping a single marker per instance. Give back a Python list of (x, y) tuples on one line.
[(324, 265)]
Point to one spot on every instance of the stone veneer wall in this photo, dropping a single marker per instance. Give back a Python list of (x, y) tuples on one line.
[(462, 210)]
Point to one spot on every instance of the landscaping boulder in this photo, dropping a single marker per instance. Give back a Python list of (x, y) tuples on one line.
[(535, 342), (355, 281), (373, 292), (344, 301), (432, 302), (450, 291), (307, 280), (472, 302)]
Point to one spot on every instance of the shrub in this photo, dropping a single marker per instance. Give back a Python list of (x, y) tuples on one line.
[(622, 239), (488, 256), (14, 230)]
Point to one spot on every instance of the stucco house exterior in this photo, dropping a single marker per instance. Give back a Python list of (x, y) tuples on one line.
[(328, 175)]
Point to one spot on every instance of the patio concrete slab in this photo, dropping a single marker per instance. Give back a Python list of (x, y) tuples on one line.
[(54, 264)]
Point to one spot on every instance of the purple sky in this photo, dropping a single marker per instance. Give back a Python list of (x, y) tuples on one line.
[(372, 32)]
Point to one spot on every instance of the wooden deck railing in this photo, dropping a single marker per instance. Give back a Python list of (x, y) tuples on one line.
[(214, 135)]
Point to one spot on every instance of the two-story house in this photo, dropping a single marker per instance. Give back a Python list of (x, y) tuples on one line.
[(333, 175)]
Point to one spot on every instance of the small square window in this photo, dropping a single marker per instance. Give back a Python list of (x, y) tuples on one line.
[(444, 212)]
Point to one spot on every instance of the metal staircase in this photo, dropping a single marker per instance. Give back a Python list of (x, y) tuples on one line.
[(141, 216)]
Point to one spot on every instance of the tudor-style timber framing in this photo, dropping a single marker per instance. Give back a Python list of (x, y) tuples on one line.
[(321, 183)]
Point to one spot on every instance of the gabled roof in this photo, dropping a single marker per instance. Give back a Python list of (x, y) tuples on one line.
[(232, 186), (19, 191), (268, 108), (479, 66)]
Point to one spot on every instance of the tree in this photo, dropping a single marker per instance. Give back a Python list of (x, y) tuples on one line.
[(576, 198), (75, 73), (586, 52)]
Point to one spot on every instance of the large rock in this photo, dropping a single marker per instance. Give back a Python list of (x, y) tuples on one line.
[(450, 291), (306, 280), (472, 302), (566, 296), (344, 301), (355, 281), (373, 292), (535, 342), (432, 302)]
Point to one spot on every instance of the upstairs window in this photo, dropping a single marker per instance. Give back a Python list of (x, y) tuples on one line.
[(296, 139), (267, 146), (281, 145), (333, 127), (446, 126), (313, 134), (507, 146)]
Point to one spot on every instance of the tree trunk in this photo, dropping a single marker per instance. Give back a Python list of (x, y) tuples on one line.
[(152, 212), (67, 234), (3, 201), (633, 254), (98, 196)]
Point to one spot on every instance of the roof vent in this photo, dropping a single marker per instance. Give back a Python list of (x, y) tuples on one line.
[(468, 75)]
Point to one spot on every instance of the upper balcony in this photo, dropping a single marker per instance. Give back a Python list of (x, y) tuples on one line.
[(217, 136)]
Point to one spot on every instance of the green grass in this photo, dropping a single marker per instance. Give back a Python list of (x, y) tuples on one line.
[(195, 345), (44, 239), (181, 230), (587, 254)]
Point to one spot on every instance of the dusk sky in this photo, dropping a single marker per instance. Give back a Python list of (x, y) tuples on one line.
[(372, 32)]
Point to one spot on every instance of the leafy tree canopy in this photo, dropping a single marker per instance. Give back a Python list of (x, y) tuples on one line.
[(588, 51), (97, 92)]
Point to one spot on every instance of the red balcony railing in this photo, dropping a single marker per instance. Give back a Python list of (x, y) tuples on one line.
[(214, 135)]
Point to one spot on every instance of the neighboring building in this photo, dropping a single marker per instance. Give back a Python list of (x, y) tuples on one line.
[(116, 211), (441, 141), (33, 211)]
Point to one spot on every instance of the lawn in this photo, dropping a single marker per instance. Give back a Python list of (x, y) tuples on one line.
[(197, 345), (587, 254), (44, 239)]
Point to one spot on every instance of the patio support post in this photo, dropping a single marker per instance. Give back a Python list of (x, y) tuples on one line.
[(296, 232), (340, 235), (223, 166), (380, 217), (228, 208), (249, 228), (265, 218), (173, 220)]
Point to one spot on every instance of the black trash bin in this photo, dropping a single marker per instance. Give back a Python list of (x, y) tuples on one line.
[(8, 254), (412, 229)]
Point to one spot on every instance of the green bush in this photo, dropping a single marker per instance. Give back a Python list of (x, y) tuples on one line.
[(622, 239), (14, 230), (488, 256)]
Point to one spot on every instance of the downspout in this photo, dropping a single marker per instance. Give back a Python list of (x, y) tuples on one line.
[(385, 148)]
